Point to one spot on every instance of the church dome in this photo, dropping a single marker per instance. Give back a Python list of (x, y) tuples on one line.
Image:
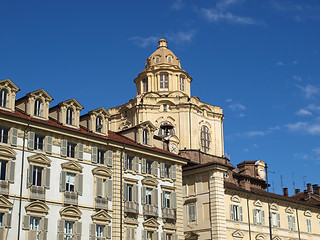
[(163, 57)]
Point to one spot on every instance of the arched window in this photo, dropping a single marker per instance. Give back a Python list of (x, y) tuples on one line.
[(169, 59), (145, 84), (164, 81), (69, 116), (182, 83), (165, 129), (37, 107), (145, 136), (3, 98), (98, 124), (205, 139)]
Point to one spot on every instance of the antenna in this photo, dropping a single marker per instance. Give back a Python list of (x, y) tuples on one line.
[(281, 178), (293, 183), (304, 182), (273, 187)]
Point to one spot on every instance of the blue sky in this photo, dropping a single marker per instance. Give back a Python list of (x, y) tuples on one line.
[(258, 60)]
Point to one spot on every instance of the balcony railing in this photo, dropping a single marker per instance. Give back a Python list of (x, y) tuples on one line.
[(168, 213), (131, 207), (150, 210), (71, 198), (101, 203), (4, 187), (37, 192)]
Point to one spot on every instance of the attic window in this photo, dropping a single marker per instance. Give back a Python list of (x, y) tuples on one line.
[(98, 124), (38, 108), (3, 98), (69, 118), (145, 136)]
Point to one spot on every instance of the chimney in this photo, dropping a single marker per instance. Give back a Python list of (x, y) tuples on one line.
[(316, 189), (309, 187), (285, 192), (297, 190)]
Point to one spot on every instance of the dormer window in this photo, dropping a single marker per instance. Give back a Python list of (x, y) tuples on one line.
[(145, 136), (69, 117), (98, 124), (164, 81), (3, 98), (182, 83), (38, 108)]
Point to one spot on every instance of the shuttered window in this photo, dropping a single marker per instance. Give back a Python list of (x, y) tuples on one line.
[(258, 217), (275, 219), (236, 213), (309, 227), (192, 212), (37, 227), (291, 222)]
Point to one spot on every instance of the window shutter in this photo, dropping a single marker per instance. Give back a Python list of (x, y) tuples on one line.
[(143, 195), (173, 172), (155, 197), (125, 195), (289, 222), (80, 151), (64, 144), (92, 231), (278, 219), (161, 169), (94, 153), (109, 158), (174, 200), (12, 165), (135, 194), (61, 229), (44, 224), (80, 183), (262, 218), (125, 159), (144, 234), (143, 165), (47, 178), (78, 228), (231, 213), (60, 236), (109, 189), (31, 140), (136, 164), (43, 235), (241, 215), (63, 181), (14, 136), (163, 236), (49, 144), (128, 232), (162, 200), (255, 216), (30, 175), (174, 237), (155, 168), (26, 222), (99, 187), (108, 233), (32, 234), (7, 220), (155, 235), (293, 223)]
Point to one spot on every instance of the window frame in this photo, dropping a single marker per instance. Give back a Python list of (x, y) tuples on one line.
[(205, 139), (69, 116), (163, 81), (38, 108), (145, 87), (99, 125), (4, 98), (192, 212), (4, 135), (182, 83), (236, 213)]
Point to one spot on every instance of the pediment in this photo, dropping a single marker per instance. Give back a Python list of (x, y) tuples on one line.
[(9, 84), (238, 234), (276, 238), (257, 203), (132, 221), (307, 213), (274, 206), (73, 166), (101, 172), (191, 236), (72, 103), (70, 212), (235, 198), (37, 207), (260, 237), (39, 159), (7, 153), (41, 93), (151, 222), (148, 124), (101, 216), (150, 181), (5, 203), (289, 210), (100, 111)]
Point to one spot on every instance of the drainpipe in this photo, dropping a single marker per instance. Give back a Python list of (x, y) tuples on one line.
[(249, 217), (298, 222), (121, 189), (21, 178)]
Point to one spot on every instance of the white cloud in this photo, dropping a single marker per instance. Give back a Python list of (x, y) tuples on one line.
[(229, 100), (237, 107), (178, 4), (182, 37), (144, 41), (303, 112), (304, 127), (296, 126), (281, 63), (313, 107), (295, 77), (309, 91), (316, 151), (257, 133)]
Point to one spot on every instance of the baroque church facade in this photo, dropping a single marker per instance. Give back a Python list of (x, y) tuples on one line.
[(153, 168)]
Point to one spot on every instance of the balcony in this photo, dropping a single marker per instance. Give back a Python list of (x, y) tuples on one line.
[(101, 203), (131, 207), (4, 187), (37, 192), (70, 198), (168, 213), (150, 210)]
